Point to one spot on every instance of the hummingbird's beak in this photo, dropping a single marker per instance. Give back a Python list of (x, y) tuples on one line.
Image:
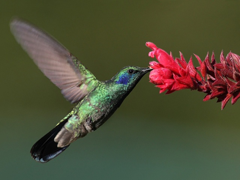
[(146, 70)]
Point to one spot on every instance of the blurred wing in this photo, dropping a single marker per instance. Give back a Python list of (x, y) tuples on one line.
[(54, 60)]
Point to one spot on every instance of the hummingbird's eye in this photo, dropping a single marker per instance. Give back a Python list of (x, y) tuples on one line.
[(130, 71)]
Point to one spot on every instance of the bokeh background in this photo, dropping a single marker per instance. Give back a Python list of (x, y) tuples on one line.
[(152, 136)]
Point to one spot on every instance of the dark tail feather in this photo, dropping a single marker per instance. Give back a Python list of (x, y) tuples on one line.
[(45, 148)]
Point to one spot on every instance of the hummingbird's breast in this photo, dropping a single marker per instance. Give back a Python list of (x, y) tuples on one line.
[(93, 110), (99, 105)]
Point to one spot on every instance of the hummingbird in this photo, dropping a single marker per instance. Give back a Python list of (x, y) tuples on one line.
[(95, 100)]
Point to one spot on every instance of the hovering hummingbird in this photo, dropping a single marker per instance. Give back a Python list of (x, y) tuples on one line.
[(96, 100)]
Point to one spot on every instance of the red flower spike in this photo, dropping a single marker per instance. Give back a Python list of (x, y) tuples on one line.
[(229, 83), (217, 80), (224, 102), (191, 68), (213, 61), (187, 81), (155, 65), (219, 66), (207, 97), (236, 60), (216, 93), (151, 46), (151, 54), (202, 67), (177, 86), (184, 63), (181, 71), (166, 60), (235, 97), (233, 89), (208, 64), (222, 59), (181, 62), (228, 58)]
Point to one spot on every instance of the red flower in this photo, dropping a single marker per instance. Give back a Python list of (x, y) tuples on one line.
[(217, 80)]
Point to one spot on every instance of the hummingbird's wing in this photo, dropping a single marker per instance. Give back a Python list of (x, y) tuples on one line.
[(54, 60)]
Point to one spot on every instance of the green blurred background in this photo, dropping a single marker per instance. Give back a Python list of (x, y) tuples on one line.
[(152, 136)]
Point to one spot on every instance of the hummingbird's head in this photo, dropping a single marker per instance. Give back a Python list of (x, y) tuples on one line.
[(129, 76)]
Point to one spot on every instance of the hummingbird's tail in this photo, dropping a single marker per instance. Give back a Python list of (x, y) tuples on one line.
[(46, 148)]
